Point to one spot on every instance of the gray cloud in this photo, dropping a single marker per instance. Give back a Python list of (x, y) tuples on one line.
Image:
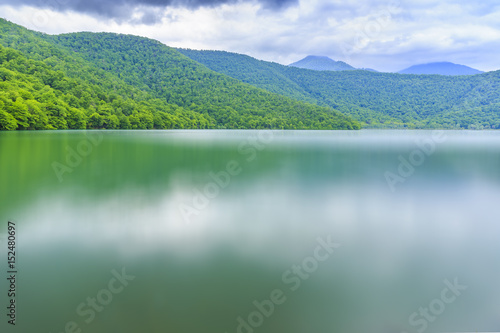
[(151, 11), (387, 35)]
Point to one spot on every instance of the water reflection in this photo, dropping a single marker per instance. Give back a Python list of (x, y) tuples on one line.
[(124, 205)]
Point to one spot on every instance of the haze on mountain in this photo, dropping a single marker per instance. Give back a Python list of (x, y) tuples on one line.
[(441, 68), (322, 63)]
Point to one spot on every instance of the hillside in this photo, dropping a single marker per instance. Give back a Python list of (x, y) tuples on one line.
[(45, 87), (321, 63), (262, 74), (104, 80), (378, 100), (140, 82), (441, 68)]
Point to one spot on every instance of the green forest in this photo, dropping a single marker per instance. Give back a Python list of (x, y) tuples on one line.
[(376, 100), (111, 81)]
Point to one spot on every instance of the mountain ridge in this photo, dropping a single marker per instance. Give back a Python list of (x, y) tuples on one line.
[(440, 68), (106, 80), (377, 100), (110, 80), (321, 63)]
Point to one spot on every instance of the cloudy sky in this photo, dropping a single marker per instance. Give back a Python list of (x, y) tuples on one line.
[(386, 35)]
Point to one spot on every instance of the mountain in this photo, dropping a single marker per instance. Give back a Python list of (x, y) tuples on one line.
[(88, 80), (266, 75), (319, 63), (441, 68), (377, 100)]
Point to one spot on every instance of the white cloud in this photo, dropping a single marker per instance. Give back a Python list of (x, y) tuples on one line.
[(378, 34)]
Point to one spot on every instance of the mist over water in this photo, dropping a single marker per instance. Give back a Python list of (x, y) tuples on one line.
[(208, 222)]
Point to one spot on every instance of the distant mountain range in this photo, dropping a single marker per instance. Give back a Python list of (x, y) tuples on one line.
[(441, 68), (320, 63)]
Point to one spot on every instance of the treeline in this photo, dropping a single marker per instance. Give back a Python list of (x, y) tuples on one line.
[(112, 81), (35, 97), (167, 74), (377, 100)]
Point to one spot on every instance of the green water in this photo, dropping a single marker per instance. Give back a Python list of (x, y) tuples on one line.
[(206, 223)]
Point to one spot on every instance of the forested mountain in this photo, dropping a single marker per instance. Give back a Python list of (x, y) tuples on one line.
[(441, 68), (263, 74), (88, 80), (45, 87), (379, 100), (321, 63)]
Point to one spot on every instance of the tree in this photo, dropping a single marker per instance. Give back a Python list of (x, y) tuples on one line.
[(37, 119), (111, 122), (19, 111), (124, 122), (7, 121), (76, 119), (95, 121)]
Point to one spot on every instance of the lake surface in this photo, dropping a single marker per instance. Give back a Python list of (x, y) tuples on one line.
[(252, 231)]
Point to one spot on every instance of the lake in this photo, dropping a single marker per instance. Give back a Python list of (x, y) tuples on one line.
[(252, 231)]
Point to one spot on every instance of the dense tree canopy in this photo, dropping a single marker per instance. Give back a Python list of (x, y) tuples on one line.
[(112, 81), (381, 100), (87, 80)]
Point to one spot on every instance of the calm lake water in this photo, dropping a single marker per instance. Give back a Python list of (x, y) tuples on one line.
[(248, 231)]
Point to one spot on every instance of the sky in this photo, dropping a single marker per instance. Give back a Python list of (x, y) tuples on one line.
[(387, 35)]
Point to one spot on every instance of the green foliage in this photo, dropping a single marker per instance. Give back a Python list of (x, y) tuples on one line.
[(7, 121), (111, 81), (168, 75), (377, 100), (76, 119), (19, 111)]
